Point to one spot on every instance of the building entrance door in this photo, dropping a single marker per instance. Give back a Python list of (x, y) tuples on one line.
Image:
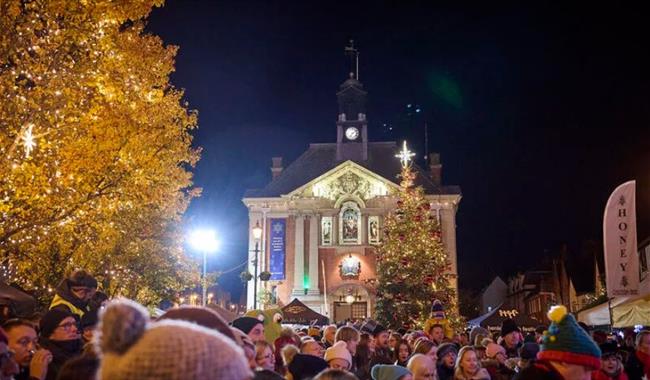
[(344, 311)]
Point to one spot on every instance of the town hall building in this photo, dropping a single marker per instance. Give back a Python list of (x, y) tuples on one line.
[(322, 216)]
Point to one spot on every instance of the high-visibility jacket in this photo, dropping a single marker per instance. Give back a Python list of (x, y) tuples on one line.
[(58, 300)]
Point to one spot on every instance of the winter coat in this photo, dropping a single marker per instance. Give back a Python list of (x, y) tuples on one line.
[(634, 367), (511, 352), (381, 356), (482, 374), (539, 370), (64, 299), (445, 373), (497, 370), (62, 351)]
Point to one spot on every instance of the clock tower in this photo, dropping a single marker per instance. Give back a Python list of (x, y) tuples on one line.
[(351, 126)]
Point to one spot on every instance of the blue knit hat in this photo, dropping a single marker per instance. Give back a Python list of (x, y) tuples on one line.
[(565, 341), (388, 372)]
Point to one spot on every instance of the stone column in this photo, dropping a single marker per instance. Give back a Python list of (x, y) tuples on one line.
[(313, 254), (299, 262), (363, 231)]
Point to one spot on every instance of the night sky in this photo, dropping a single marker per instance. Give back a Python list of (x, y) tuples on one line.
[(539, 112)]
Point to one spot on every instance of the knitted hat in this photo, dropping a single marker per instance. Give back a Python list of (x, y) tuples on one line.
[(51, 320), (89, 319), (388, 372), (508, 325), (565, 341), (608, 349), (476, 331), (446, 348), (306, 366), (493, 349), (529, 350), (133, 348), (338, 351), (246, 324), (202, 316)]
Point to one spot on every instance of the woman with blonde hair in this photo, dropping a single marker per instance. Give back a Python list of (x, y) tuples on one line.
[(468, 367)]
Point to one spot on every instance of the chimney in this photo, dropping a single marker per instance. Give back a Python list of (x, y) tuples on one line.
[(276, 169), (435, 168)]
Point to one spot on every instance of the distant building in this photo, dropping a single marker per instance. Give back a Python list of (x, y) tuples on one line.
[(493, 295), (323, 215), (644, 266)]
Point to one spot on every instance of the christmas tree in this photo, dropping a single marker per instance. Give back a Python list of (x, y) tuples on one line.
[(95, 148), (413, 268)]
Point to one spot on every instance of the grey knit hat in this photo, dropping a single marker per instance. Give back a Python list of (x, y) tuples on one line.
[(133, 348)]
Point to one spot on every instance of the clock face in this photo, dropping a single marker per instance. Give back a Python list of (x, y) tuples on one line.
[(352, 133)]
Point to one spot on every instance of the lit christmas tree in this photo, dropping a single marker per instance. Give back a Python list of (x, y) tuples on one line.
[(95, 148), (413, 268)]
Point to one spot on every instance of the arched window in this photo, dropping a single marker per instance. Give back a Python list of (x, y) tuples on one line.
[(350, 223)]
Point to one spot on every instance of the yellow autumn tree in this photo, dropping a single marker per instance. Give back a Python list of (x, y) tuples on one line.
[(95, 148)]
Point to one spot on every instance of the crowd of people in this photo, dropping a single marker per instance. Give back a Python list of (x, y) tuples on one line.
[(84, 336)]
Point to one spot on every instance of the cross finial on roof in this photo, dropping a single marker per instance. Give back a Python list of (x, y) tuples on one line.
[(405, 156)]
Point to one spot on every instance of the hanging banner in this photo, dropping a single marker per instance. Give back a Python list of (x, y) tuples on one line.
[(278, 249), (619, 239)]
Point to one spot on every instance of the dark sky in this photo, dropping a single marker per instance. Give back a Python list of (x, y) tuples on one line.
[(539, 112)]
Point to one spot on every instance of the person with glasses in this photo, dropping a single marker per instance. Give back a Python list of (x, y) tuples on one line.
[(75, 292), (8, 366), (264, 357), (23, 341), (60, 335)]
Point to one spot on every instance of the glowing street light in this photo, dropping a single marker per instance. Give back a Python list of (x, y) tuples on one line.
[(204, 240), (257, 235)]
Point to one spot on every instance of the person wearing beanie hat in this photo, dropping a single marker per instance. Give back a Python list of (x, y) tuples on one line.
[(611, 366), (527, 355), (495, 362), (202, 316), (567, 351), (447, 353), (511, 335), (252, 327), (133, 348), (382, 354), (75, 292), (390, 372), (338, 356), (59, 334), (306, 366)]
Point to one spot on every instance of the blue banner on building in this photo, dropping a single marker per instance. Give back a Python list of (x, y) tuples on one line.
[(277, 244)]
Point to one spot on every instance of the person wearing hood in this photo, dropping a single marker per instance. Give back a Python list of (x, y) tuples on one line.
[(60, 336), (447, 353), (74, 293)]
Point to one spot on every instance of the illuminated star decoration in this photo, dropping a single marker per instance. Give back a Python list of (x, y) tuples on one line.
[(28, 140), (405, 156)]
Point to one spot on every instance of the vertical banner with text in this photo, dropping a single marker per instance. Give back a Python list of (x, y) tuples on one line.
[(278, 249), (619, 239)]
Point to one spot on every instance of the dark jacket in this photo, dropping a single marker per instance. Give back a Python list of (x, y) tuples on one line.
[(62, 351), (634, 367), (539, 370), (445, 373), (381, 356), (497, 370), (511, 352)]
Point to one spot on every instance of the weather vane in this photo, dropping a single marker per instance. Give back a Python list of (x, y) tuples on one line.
[(405, 156)]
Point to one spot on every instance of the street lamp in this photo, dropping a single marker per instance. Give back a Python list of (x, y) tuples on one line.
[(257, 235), (206, 242)]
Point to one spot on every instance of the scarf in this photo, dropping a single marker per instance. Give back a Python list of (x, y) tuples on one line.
[(645, 360)]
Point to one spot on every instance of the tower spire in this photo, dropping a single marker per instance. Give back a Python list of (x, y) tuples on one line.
[(353, 52)]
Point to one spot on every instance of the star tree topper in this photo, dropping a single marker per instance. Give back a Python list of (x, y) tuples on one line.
[(405, 156)]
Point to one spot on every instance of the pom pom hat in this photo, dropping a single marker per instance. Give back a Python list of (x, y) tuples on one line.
[(132, 348), (565, 341)]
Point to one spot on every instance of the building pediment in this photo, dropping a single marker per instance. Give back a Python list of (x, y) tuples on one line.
[(348, 180)]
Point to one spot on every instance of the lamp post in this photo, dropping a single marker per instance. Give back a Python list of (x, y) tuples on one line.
[(206, 242), (257, 235)]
